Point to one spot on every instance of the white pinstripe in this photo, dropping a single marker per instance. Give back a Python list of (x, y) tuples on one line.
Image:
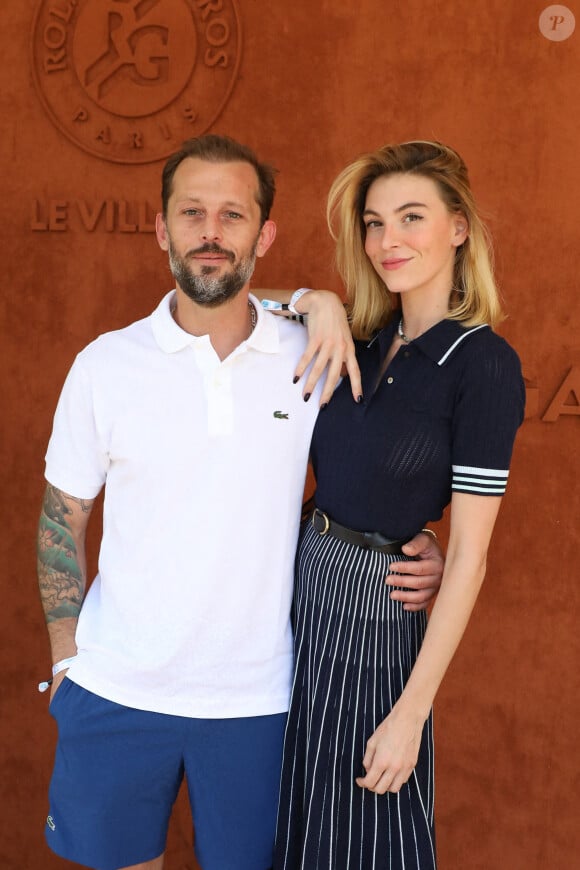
[(459, 340), (481, 472)]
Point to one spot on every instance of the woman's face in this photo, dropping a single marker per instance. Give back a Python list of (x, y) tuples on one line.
[(411, 237)]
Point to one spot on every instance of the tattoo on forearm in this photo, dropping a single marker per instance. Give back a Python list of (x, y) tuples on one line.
[(61, 573)]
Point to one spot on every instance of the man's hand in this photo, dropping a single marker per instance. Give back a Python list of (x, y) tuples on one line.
[(329, 344), (421, 578)]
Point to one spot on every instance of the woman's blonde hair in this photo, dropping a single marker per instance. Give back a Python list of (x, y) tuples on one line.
[(474, 297)]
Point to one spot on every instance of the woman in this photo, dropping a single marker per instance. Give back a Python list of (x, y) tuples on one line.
[(443, 398)]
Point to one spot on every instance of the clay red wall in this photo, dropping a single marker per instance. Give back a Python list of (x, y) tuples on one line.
[(317, 83)]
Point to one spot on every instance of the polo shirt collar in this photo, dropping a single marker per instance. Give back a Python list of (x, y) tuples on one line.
[(438, 343), (265, 337), (171, 338)]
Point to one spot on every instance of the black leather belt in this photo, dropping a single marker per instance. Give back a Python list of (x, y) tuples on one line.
[(368, 540)]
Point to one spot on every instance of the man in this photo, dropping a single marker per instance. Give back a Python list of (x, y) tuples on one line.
[(179, 658)]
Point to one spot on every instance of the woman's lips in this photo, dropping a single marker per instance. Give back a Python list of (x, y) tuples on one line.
[(390, 265)]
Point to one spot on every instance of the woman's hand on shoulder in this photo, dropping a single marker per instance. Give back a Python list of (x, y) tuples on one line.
[(330, 345)]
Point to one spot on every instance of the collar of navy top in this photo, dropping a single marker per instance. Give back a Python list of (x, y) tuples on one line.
[(172, 338), (438, 343)]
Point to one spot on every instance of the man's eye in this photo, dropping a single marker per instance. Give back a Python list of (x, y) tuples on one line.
[(233, 215)]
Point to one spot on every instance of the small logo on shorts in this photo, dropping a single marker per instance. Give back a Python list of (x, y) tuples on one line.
[(50, 823), (280, 415)]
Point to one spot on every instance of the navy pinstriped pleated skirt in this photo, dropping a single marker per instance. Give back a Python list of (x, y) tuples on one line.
[(354, 651)]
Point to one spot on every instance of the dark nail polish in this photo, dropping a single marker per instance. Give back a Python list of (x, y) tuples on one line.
[(359, 399), (307, 396), (295, 379), (323, 406)]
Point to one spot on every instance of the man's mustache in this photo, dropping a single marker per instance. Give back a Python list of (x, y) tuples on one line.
[(212, 248)]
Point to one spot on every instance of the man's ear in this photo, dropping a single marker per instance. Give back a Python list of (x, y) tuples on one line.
[(266, 237), (161, 232)]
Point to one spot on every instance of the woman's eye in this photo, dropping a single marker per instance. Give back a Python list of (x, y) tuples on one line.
[(371, 225), (409, 218)]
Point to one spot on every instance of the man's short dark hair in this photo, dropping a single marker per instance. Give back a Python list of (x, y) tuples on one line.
[(221, 149)]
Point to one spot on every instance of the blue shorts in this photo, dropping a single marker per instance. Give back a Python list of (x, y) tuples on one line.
[(118, 770)]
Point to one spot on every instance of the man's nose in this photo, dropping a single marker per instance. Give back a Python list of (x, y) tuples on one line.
[(210, 230)]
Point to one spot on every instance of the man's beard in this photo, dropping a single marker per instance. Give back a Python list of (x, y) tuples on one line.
[(207, 288)]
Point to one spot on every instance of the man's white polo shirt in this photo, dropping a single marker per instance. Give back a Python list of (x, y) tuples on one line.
[(204, 463)]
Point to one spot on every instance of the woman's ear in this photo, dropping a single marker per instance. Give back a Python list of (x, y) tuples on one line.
[(461, 229)]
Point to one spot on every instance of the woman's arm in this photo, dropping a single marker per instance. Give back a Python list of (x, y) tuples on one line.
[(392, 751), (330, 343)]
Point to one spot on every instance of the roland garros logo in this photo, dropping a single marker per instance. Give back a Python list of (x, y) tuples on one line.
[(129, 80)]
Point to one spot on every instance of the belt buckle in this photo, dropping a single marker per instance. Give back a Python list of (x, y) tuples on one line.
[(318, 513)]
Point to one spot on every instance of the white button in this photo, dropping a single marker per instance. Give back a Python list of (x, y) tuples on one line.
[(389, 380)]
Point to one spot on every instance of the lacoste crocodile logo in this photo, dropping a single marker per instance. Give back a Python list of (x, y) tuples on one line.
[(280, 415)]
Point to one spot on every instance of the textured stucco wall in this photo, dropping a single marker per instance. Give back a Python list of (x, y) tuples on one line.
[(310, 84)]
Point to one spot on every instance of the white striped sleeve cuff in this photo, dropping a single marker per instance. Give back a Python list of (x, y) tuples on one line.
[(479, 481)]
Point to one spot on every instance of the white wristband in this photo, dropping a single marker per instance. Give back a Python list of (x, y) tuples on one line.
[(62, 665), (295, 297)]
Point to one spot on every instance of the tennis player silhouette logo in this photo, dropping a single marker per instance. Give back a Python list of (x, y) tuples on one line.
[(137, 51), (134, 59)]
